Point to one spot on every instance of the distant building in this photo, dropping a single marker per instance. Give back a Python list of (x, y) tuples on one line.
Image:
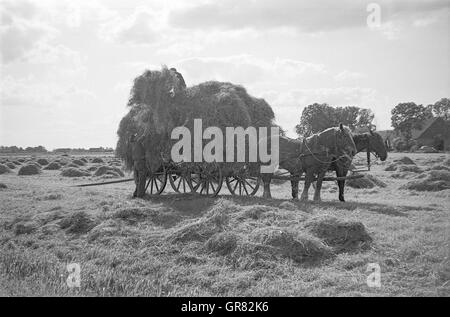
[(435, 132)]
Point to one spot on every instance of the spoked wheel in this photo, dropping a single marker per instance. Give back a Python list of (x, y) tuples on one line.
[(157, 182), (243, 185), (180, 183), (206, 180)]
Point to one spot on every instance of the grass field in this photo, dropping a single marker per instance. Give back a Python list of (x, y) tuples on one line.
[(188, 245)]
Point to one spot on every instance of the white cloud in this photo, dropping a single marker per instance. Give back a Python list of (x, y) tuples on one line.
[(348, 75), (140, 28), (247, 69)]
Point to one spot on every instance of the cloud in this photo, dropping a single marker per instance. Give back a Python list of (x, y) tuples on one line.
[(140, 28), (302, 15), (21, 31), (246, 69), (28, 92), (348, 75)]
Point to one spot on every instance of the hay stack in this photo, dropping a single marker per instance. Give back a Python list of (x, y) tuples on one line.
[(11, 165), (29, 169), (42, 161), (405, 160), (368, 181), (78, 162), (298, 247), (4, 169), (109, 170), (74, 172), (97, 160), (343, 235), (434, 181), (3, 186), (154, 112), (53, 166)]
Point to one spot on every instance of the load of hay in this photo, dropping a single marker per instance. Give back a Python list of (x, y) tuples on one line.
[(434, 181), (42, 161), (29, 169), (160, 102)]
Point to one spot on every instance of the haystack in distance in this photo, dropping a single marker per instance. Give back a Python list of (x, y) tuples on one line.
[(159, 102)]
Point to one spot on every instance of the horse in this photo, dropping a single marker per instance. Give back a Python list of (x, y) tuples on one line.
[(312, 155), (372, 142)]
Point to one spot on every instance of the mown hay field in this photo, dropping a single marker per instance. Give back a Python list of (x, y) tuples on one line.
[(188, 245)]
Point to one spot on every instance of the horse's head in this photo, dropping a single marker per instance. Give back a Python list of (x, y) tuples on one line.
[(377, 146), (344, 141)]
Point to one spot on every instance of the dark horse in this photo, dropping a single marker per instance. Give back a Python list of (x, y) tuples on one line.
[(312, 155), (372, 143)]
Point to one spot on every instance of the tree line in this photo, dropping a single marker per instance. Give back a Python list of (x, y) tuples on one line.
[(405, 117)]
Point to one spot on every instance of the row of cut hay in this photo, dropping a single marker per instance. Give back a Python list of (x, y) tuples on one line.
[(154, 112), (434, 180), (319, 238)]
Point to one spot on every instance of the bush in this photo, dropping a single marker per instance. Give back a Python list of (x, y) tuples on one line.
[(29, 169)]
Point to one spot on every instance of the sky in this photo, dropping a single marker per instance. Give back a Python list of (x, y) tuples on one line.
[(67, 66)]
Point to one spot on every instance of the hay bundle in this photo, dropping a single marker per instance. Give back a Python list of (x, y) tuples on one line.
[(222, 243), (159, 102), (78, 162), (11, 165), (78, 223), (97, 160), (53, 166), (74, 172), (42, 161), (405, 160), (109, 170), (368, 181), (300, 248), (4, 169), (434, 181), (343, 235), (29, 169)]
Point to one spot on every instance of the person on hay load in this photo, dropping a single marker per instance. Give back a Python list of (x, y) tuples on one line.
[(139, 165), (179, 76)]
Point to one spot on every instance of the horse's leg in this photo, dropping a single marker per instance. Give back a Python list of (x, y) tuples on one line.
[(309, 177), (294, 186), (320, 177), (266, 178)]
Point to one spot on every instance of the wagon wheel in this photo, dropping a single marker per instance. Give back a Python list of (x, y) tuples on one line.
[(243, 185), (180, 182), (206, 180), (157, 181)]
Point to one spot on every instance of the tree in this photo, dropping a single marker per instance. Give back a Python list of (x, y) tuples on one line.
[(318, 117), (441, 108), (408, 116)]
